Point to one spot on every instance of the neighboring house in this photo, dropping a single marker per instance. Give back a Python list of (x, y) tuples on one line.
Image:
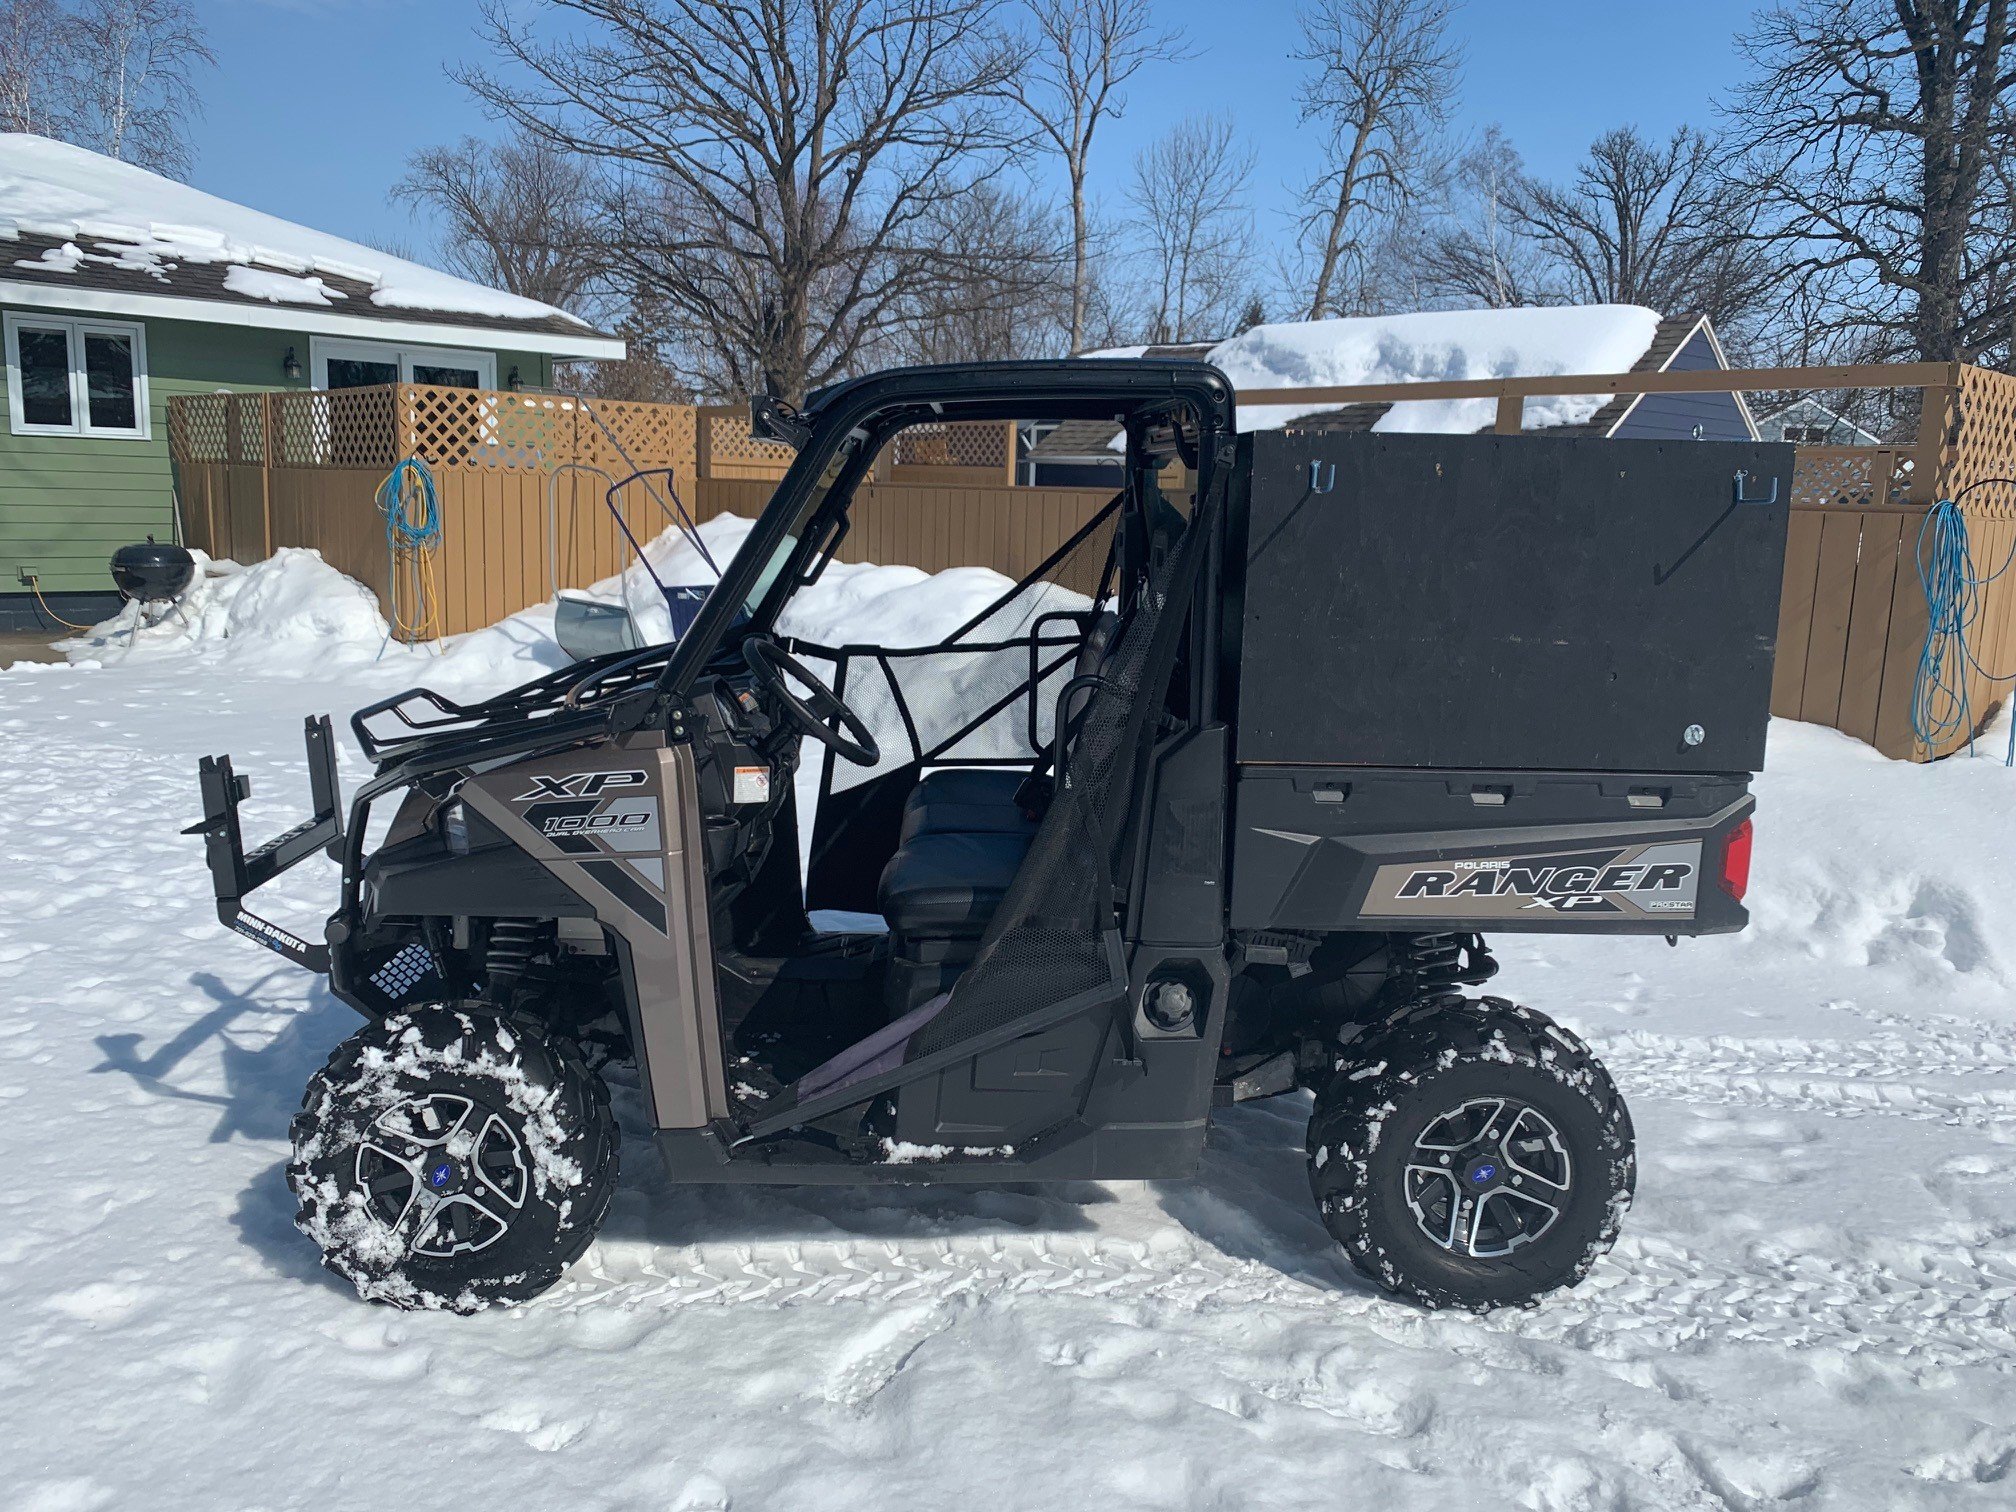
[(1808, 422), (119, 288), (1444, 345)]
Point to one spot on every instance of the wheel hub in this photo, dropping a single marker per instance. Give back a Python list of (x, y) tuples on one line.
[(446, 1174), (1488, 1176)]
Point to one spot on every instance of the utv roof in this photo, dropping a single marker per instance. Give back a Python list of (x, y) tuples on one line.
[(1069, 387)]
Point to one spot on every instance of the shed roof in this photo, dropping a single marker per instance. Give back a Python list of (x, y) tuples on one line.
[(1079, 441), (82, 231)]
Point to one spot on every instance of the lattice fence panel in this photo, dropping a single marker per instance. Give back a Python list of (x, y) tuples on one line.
[(731, 446), (199, 427), (248, 428), (354, 427), (979, 444), (621, 436), (1984, 445), (457, 427), (1850, 477)]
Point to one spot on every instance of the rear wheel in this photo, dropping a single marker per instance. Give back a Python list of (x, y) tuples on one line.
[(1472, 1154), (447, 1157)]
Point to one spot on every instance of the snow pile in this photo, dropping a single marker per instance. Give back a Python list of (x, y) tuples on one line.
[(1435, 346), (125, 217), (853, 603), (1868, 861), (293, 610)]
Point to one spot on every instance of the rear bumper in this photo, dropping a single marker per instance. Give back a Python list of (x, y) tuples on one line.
[(236, 873), (1422, 850)]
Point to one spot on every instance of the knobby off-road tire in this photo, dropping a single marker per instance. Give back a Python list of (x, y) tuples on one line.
[(450, 1157), (1478, 1102)]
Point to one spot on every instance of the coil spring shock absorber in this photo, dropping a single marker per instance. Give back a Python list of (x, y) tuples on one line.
[(1430, 967), (512, 945)]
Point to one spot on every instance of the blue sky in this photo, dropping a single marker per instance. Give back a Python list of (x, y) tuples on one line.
[(317, 103)]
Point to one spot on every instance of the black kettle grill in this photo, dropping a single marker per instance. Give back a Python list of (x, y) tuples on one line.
[(152, 573)]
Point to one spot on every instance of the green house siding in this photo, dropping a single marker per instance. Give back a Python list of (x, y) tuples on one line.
[(67, 502)]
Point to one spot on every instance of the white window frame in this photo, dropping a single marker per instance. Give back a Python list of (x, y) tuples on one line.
[(405, 357), (76, 329)]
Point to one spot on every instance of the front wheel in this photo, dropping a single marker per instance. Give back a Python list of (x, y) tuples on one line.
[(1472, 1154), (448, 1157)]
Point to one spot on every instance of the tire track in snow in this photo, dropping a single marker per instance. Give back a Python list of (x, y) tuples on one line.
[(1650, 1295), (1880, 1075)]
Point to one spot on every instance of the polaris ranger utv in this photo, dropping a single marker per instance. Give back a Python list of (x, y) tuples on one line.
[(1215, 804)]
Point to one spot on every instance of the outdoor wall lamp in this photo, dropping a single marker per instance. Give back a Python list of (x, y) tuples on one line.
[(512, 381), (291, 365)]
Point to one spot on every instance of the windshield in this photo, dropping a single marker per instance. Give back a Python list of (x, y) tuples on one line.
[(780, 557)]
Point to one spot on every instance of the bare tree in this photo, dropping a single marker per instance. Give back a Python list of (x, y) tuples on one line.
[(1647, 224), (137, 63), (1190, 188), (778, 167), (1015, 288), (37, 68), (514, 214), (648, 369), (1084, 52), (1384, 73), (1876, 133), (1473, 254)]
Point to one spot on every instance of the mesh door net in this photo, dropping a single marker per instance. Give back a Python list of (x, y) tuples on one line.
[(967, 698), (1047, 941)]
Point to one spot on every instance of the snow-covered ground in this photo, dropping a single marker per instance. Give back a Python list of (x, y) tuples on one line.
[(1814, 1303)]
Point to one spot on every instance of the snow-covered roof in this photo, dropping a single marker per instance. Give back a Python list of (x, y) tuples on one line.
[(1432, 346), (90, 232), (1809, 411)]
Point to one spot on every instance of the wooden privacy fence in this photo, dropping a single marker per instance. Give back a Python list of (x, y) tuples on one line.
[(522, 479)]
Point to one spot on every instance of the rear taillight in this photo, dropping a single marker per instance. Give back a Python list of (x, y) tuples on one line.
[(1736, 861)]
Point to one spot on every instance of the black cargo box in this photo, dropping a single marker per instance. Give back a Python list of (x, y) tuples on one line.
[(1511, 602)]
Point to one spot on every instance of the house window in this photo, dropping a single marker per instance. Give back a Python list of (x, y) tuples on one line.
[(76, 377), (360, 364), (1806, 435)]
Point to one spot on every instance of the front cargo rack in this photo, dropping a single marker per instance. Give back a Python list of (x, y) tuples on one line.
[(422, 720)]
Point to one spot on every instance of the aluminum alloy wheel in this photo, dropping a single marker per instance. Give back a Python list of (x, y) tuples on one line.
[(446, 1175), (1488, 1176)]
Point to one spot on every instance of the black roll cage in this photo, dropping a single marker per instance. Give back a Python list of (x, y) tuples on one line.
[(862, 412), (865, 412)]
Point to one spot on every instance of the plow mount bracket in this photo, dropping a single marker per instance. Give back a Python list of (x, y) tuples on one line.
[(234, 872)]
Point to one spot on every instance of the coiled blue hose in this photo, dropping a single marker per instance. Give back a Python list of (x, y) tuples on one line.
[(402, 531), (1954, 589), (412, 508)]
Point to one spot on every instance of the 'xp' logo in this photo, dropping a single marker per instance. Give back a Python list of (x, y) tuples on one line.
[(582, 785)]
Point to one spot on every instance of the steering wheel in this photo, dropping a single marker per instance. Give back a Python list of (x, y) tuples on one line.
[(772, 664)]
